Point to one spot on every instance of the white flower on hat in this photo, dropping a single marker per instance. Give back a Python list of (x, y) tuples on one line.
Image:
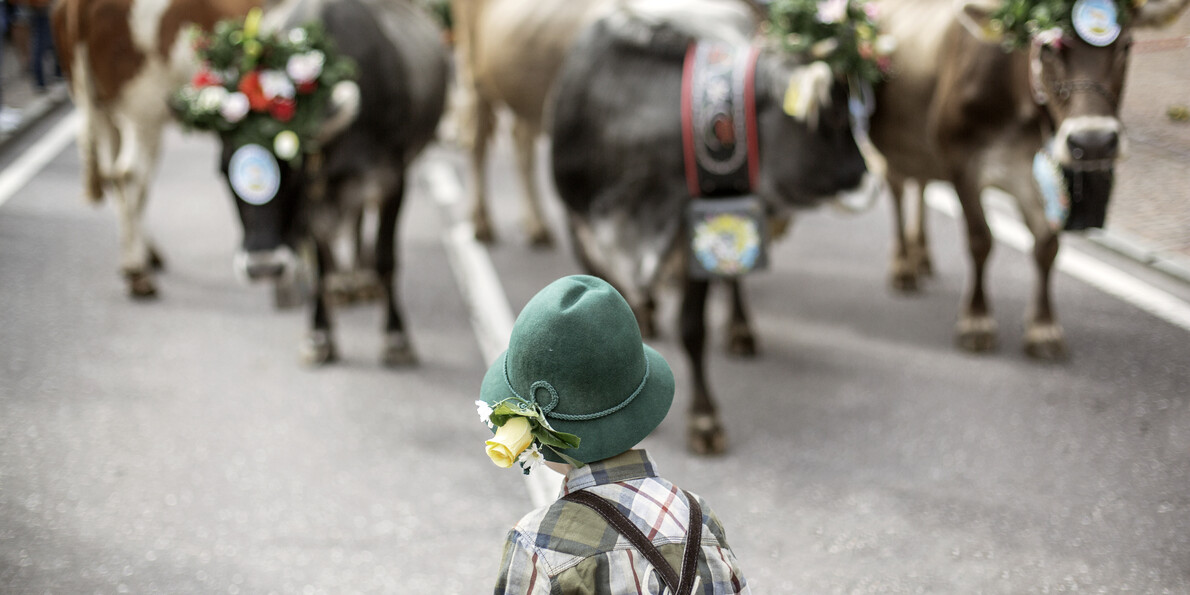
[(210, 99), (235, 107), (485, 413), (303, 68), (297, 36), (275, 83), (531, 458), (286, 144)]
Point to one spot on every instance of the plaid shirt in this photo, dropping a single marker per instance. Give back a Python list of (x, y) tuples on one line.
[(566, 547)]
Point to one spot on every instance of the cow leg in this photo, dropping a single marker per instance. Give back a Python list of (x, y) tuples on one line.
[(740, 339), (319, 345), (904, 268), (398, 350), (919, 239), (135, 160), (484, 124), (976, 329), (705, 433), (1043, 336), (524, 134)]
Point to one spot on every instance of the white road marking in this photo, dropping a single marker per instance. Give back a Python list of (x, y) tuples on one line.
[(34, 159), (491, 315), (1079, 265)]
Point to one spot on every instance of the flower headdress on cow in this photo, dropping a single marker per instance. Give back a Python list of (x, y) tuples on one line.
[(1017, 23), (271, 90), (841, 33)]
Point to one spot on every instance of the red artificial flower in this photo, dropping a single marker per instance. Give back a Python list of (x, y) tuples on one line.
[(282, 108), (205, 78), (250, 87), (307, 87)]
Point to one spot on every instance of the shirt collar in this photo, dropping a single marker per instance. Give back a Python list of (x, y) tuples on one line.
[(629, 465)]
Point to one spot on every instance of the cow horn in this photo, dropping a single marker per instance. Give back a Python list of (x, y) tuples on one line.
[(342, 111), (976, 17), (809, 89)]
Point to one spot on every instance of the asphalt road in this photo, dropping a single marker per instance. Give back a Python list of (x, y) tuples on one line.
[(179, 447)]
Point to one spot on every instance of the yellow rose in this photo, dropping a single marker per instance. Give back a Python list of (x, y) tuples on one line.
[(510, 440)]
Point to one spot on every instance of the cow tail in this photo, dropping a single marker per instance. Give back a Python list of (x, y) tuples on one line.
[(464, 99), (83, 92), (71, 39)]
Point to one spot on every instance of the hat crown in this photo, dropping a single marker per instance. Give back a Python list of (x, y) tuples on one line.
[(576, 349)]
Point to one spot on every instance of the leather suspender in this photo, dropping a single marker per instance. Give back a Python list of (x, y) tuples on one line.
[(682, 585)]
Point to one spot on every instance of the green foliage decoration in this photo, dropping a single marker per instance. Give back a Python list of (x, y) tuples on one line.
[(1020, 21), (268, 89), (843, 33)]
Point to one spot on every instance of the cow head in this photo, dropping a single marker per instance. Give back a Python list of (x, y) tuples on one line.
[(271, 192), (1076, 76), (807, 147)]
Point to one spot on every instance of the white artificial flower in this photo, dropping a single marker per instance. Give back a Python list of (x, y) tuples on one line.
[(531, 458), (485, 413), (235, 107), (286, 145), (210, 99), (297, 36), (832, 11), (275, 83), (303, 68), (1049, 36), (885, 45)]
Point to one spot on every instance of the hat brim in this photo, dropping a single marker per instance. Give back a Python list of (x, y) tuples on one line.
[(612, 434)]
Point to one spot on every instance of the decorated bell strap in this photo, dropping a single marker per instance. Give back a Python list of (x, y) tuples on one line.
[(718, 102)]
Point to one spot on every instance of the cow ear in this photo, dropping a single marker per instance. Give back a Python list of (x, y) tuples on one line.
[(1157, 13), (976, 17), (808, 91), (341, 112)]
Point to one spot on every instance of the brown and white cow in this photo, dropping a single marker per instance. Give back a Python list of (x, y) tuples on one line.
[(508, 53), (123, 59), (961, 109)]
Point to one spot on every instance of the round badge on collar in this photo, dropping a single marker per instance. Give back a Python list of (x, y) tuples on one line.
[(1096, 21), (254, 174)]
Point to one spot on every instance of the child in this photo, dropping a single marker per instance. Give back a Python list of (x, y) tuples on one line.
[(578, 388)]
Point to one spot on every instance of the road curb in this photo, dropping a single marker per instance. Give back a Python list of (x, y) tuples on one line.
[(1137, 249)]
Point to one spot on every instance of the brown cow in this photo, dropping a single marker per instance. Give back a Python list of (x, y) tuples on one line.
[(123, 59), (961, 109)]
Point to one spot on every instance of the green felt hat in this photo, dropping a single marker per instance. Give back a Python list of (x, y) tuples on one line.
[(577, 351)]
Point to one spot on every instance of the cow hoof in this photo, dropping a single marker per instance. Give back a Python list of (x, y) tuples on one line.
[(484, 233), (398, 351), (140, 285), (904, 277), (741, 343), (540, 238), (925, 267), (318, 349), (706, 435), (155, 261), (977, 334), (1045, 342)]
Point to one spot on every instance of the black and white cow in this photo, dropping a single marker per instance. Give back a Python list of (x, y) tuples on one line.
[(619, 164), (377, 127)]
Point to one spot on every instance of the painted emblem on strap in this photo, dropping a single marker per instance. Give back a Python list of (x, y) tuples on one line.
[(1096, 21), (727, 236), (254, 174), (719, 119)]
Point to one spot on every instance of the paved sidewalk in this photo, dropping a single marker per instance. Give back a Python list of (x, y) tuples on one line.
[(1149, 216)]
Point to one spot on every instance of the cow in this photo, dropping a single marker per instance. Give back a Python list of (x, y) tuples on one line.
[(619, 162), (374, 128), (123, 60), (961, 109), (508, 53)]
